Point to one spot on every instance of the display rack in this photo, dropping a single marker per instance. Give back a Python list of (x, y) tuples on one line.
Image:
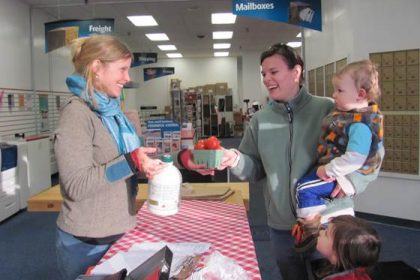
[(177, 105), (217, 115), (209, 116), (224, 106), (208, 108), (192, 101)]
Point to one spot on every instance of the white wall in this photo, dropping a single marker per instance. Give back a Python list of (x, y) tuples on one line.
[(192, 72), (15, 67), (253, 88), (353, 29)]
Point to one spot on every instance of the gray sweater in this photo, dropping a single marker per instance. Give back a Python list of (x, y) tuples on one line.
[(97, 183)]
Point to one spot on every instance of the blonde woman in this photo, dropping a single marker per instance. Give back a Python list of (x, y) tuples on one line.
[(98, 155)]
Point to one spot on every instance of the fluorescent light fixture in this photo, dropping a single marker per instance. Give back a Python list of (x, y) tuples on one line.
[(299, 35), (143, 20), (223, 18), (221, 46), (174, 55), (294, 44), (157, 37), (222, 35), (221, 54), (167, 47)]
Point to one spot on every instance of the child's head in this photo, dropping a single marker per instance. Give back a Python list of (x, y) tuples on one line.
[(349, 242), (355, 85)]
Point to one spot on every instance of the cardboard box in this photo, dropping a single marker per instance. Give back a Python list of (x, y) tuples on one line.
[(237, 117), (200, 89), (210, 89), (221, 88), (60, 37)]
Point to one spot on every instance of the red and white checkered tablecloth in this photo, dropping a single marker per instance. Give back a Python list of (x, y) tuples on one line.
[(224, 226)]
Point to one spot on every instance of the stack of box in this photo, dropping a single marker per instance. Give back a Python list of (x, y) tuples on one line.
[(221, 88), (239, 124)]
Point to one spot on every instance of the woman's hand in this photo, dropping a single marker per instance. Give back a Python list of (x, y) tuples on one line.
[(322, 174), (186, 160), (150, 167), (337, 192), (230, 159)]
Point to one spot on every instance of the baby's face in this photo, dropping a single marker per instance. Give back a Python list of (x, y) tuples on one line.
[(325, 244), (346, 95)]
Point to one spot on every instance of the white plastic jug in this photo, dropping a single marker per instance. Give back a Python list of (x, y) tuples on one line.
[(165, 190)]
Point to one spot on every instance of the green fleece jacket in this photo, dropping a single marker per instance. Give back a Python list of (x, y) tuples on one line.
[(279, 146)]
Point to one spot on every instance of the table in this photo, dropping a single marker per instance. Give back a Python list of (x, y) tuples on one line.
[(51, 199), (223, 225)]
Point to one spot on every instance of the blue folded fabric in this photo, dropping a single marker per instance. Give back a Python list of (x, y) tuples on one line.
[(8, 156)]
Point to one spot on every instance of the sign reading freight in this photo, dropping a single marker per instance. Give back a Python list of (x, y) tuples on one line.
[(157, 72), (305, 13), (60, 33), (143, 58)]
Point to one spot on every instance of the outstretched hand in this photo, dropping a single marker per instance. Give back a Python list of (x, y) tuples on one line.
[(187, 161), (229, 158)]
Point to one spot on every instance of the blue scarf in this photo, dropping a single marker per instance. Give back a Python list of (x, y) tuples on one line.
[(109, 111)]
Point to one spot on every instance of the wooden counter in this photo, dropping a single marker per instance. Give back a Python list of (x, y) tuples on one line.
[(51, 199)]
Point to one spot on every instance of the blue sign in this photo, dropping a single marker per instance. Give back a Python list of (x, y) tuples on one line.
[(305, 13), (156, 72), (163, 125), (144, 58), (60, 33)]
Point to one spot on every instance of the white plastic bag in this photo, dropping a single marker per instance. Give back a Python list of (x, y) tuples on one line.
[(220, 267)]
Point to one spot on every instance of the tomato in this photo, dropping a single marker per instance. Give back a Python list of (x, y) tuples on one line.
[(200, 145), (212, 143)]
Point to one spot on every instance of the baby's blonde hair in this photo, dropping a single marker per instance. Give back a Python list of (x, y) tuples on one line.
[(86, 50), (365, 76)]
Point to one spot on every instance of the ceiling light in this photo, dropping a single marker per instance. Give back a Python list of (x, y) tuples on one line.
[(174, 55), (143, 20), (221, 54), (222, 35), (157, 37), (220, 46), (167, 47), (223, 18), (299, 35), (294, 44)]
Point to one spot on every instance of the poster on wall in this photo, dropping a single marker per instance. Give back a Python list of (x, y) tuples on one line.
[(157, 72), (304, 13), (29, 104), (21, 102), (143, 58), (60, 33), (10, 101), (1, 98), (43, 109)]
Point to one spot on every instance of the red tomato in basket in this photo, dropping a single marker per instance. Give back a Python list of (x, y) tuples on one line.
[(200, 145), (212, 143)]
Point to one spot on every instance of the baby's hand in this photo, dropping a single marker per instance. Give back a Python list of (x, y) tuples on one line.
[(322, 173)]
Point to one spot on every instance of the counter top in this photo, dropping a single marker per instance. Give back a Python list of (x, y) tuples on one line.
[(51, 199)]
